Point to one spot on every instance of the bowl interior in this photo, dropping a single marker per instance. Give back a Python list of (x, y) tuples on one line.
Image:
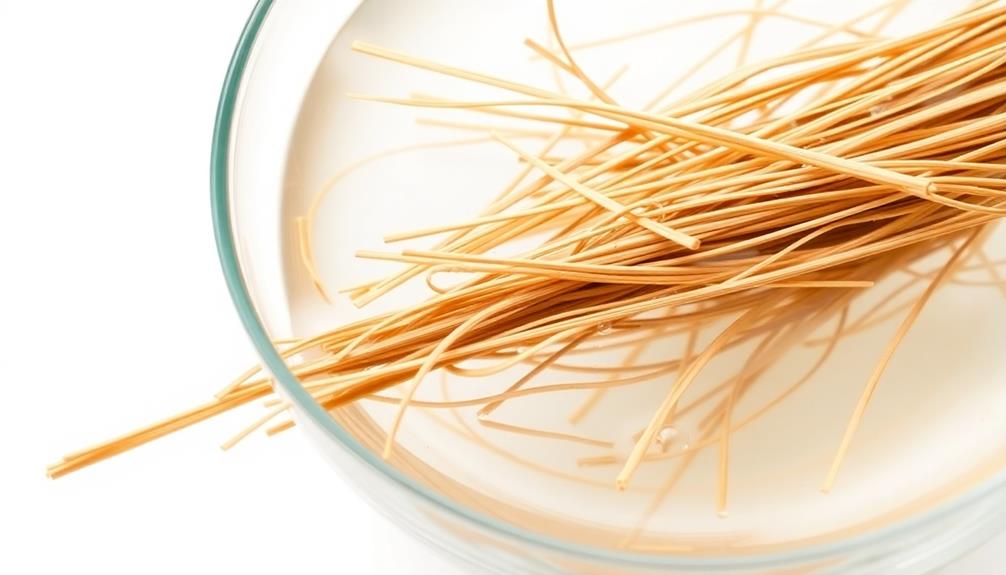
[(932, 430)]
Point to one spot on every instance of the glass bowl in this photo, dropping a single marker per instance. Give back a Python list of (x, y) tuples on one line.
[(284, 126)]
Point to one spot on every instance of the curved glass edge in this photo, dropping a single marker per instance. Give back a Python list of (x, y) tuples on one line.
[(227, 252)]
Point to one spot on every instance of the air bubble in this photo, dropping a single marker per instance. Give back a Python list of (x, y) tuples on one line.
[(604, 328)]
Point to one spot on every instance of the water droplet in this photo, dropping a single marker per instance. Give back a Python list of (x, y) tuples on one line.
[(604, 328), (672, 437), (666, 437)]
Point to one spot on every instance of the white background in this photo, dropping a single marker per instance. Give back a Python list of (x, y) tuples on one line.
[(113, 313)]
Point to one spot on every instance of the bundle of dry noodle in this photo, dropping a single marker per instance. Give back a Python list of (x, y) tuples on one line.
[(773, 198)]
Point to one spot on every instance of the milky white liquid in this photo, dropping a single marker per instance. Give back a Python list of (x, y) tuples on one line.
[(938, 417)]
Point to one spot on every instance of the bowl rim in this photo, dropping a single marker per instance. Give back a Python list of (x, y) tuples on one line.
[(224, 233)]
